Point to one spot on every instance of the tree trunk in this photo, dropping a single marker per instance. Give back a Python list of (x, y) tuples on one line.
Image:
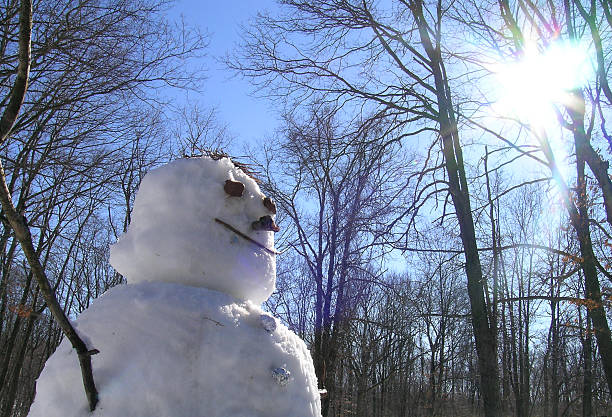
[(580, 221), (8, 353), (587, 385), (11, 394), (484, 331), (16, 219)]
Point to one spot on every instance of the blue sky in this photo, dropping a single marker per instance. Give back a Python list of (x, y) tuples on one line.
[(250, 119)]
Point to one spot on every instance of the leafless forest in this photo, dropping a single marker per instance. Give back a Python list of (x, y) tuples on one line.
[(439, 258)]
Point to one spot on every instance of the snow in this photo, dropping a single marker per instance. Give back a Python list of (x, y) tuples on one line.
[(173, 350), (173, 236), (187, 336)]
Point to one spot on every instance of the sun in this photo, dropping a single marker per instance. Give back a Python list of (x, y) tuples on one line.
[(531, 87)]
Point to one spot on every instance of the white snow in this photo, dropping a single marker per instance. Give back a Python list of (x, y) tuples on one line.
[(173, 236), (179, 351), (186, 337)]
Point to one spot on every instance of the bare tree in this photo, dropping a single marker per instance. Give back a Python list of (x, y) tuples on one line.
[(573, 116), (335, 194), (338, 47), (17, 221), (96, 68), (198, 129)]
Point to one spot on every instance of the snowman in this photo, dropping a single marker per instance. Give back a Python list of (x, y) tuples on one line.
[(186, 337)]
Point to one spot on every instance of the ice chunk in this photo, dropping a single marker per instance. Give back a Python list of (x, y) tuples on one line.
[(268, 323), (281, 376)]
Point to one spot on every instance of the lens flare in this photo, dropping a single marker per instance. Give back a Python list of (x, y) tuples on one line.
[(529, 88)]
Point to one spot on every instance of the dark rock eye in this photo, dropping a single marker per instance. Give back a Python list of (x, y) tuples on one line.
[(265, 223), (269, 204), (234, 188)]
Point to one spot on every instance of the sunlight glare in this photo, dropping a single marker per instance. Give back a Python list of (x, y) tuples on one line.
[(530, 87)]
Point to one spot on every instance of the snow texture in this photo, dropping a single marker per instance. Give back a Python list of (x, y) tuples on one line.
[(171, 350), (186, 337), (173, 236)]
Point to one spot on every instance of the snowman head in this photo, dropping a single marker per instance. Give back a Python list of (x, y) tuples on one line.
[(201, 222)]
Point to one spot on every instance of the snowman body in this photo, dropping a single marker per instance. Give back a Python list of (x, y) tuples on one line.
[(186, 337)]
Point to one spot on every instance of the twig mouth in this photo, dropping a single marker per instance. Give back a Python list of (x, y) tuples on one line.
[(242, 235)]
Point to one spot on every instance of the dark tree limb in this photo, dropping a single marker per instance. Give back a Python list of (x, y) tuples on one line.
[(18, 222), (23, 70)]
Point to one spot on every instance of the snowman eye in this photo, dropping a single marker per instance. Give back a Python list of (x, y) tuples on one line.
[(234, 188), (269, 204)]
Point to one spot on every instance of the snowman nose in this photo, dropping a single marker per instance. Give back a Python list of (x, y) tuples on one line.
[(265, 223)]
